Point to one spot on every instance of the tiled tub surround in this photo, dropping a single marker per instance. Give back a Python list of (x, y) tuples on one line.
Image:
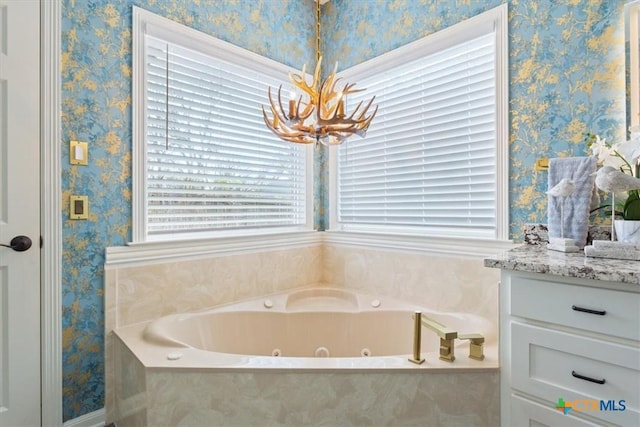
[(196, 397), (145, 291), (447, 283), (204, 387), (138, 294)]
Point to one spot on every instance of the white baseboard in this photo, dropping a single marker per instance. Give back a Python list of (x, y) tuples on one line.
[(92, 419)]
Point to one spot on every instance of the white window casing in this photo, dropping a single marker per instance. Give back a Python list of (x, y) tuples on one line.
[(435, 160), (204, 163)]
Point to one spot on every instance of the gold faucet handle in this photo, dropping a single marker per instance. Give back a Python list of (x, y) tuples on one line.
[(440, 330), (476, 345), (473, 337)]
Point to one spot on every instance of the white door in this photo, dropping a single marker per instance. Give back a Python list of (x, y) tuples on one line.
[(19, 212)]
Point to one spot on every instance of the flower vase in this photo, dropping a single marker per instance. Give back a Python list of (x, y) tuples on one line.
[(627, 231)]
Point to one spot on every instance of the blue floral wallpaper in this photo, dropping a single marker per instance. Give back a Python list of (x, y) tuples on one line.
[(566, 73), (566, 79), (96, 107)]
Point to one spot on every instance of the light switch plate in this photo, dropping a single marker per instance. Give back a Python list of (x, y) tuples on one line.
[(78, 153), (79, 207)]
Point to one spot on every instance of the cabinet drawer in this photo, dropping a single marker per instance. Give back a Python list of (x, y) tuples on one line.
[(546, 363), (562, 304), (528, 413)]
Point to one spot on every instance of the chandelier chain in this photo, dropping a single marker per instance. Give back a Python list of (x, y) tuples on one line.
[(318, 46)]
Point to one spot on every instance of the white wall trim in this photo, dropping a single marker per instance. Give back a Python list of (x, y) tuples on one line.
[(51, 222), (157, 252), (154, 252), (469, 248), (632, 22), (501, 21), (92, 419)]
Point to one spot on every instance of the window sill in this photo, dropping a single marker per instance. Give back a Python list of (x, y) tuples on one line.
[(471, 247), (151, 252)]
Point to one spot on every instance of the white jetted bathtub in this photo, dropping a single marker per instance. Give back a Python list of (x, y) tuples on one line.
[(309, 323), (302, 358)]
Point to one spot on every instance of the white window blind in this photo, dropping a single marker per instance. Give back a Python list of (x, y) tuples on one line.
[(428, 161), (211, 163)]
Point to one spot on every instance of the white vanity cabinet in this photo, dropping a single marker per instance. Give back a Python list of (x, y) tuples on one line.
[(566, 341)]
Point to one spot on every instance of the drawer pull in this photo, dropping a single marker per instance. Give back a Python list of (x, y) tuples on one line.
[(588, 310), (582, 377)]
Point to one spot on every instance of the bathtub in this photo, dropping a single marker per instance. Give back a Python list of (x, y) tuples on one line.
[(306, 357)]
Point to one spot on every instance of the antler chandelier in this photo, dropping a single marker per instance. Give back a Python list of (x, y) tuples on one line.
[(320, 116)]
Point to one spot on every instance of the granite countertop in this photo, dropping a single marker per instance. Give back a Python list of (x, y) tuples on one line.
[(537, 259)]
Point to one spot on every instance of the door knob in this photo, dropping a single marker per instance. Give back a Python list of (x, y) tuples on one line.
[(19, 243)]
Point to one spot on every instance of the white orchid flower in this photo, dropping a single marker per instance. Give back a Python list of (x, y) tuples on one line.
[(601, 150), (618, 156), (630, 150), (615, 161), (623, 158)]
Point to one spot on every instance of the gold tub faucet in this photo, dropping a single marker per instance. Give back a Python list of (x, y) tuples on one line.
[(447, 338)]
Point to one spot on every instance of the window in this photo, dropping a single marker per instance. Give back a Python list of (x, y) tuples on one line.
[(205, 162), (434, 159)]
